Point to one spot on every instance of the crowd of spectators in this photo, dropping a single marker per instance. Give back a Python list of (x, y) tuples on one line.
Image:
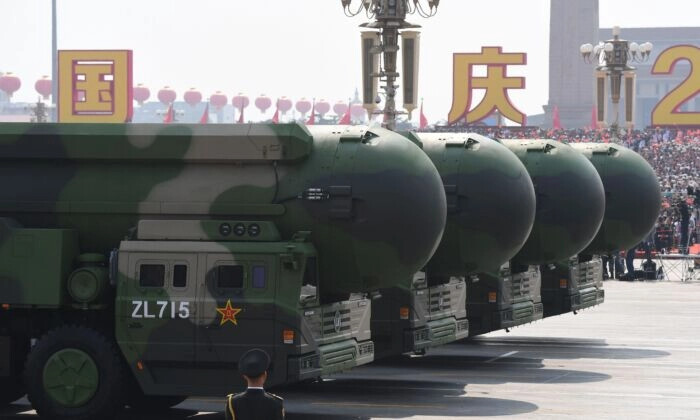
[(673, 153)]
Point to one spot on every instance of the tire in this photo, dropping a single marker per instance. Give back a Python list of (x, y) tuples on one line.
[(12, 387), (62, 355)]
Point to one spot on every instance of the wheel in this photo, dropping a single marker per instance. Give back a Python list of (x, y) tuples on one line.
[(12, 387), (75, 373)]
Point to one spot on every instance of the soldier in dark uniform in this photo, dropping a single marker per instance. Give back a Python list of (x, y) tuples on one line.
[(254, 403)]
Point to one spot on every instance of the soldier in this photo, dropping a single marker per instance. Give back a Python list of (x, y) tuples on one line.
[(254, 403)]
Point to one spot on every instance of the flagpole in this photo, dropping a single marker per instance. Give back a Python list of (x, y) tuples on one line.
[(54, 61)]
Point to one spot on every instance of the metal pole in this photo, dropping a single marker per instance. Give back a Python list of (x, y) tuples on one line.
[(54, 62), (390, 38)]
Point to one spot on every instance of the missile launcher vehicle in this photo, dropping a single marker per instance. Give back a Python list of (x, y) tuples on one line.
[(144, 260), (632, 192), (490, 212), (632, 204), (569, 211)]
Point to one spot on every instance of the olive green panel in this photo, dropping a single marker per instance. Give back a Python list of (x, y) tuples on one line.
[(157, 142), (35, 264)]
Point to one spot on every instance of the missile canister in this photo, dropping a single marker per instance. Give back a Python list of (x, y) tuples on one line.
[(373, 201), (570, 200), (490, 202), (632, 194)]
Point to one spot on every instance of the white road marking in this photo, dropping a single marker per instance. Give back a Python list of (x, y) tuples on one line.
[(510, 353)]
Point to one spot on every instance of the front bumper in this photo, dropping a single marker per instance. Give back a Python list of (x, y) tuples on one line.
[(586, 298), (330, 359), (494, 317), (435, 333)]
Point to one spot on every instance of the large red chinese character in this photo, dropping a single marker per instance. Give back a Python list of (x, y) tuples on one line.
[(94, 86), (496, 83)]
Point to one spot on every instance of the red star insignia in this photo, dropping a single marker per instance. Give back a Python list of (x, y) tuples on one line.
[(228, 313)]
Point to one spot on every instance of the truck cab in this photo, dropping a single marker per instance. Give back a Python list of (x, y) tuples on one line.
[(411, 321), (165, 316), (503, 300), (191, 301), (572, 285)]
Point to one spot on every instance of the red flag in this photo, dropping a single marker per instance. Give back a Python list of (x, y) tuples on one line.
[(594, 118), (423, 119), (240, 117), (276, 117), (205, 116), (345, 119), (312, 118), (556, 122), (169, 115)]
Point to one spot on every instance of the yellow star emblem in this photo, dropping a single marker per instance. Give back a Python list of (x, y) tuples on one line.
[(228, 313)]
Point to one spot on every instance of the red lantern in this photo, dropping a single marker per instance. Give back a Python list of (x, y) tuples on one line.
[(240, 101), (193, 97), (43, 86), (166, 95), (322, 107), (9, 83), (141, 93), (340, 108), (303, 106), (357, 111), (218, 99), (284, 104), (263, 103)]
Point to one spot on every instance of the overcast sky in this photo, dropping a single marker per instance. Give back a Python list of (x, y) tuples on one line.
[(293, 47)]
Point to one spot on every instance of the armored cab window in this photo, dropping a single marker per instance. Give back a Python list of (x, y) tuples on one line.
[(259, 279), (229, 276), (180, 276), (310, 283), (310, 274), (152, 275)]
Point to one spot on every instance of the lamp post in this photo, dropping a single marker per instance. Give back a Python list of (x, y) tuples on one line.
[(612, 58), (388, 17)]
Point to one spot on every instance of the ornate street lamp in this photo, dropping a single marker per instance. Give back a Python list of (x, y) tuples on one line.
[(612, 58), (388, 17)]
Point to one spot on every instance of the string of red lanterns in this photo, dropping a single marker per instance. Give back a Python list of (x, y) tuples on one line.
[(10, 83)]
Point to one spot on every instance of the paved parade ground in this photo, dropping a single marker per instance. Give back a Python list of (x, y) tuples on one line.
[(636, 356)]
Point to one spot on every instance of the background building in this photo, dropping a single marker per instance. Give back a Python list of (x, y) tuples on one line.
[(571, 80), (572, 23), (650, 88)]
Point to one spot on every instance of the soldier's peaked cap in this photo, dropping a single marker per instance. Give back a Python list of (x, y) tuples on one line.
[(254, 363)]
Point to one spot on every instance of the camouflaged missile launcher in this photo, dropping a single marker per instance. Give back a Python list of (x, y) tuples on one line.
[(632, 194), (490, 203), (373, 202), (570, 200), (491, 206), (632, 204), (152, 257)]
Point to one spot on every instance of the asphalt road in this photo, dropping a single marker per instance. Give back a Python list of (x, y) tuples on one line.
[(636, 356)]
